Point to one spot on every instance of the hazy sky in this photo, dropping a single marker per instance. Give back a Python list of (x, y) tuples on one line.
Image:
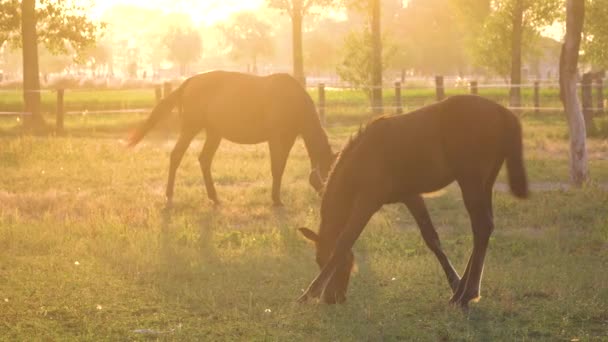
[(208, 11)]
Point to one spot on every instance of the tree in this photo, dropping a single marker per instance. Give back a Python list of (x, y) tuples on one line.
[(356, 67), (372, 9), (376, 57), (248, 37), (63, 25), (297, 9), (52, 63), (596, 33), (185, 46), (508, 32), (322, 53), (568, 78), (431, 37)]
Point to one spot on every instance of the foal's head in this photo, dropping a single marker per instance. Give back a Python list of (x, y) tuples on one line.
[(335, 291)]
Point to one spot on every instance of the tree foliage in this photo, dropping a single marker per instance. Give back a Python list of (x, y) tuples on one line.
[(430, 37), (596, 33), (62, 26), (184, 45), (248, 37), (491, 46), (356, 65), (297, 9), (301, 7)]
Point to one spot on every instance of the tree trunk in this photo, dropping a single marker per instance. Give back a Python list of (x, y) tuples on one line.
[(298, 60), (31, 80), (376, 58), (515, 93), (568, 77)]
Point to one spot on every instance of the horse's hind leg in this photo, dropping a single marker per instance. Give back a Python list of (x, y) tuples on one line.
[(479, 209), (279, 151), (417, 208), (212, 142), (181, 146)]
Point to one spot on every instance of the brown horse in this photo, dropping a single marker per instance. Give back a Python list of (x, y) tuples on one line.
[(395, 159), (244, 109)]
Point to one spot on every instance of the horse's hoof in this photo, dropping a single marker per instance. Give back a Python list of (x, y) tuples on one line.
[(303, 298), (463, 301), (169, 203), (278, 204), (463, 306)]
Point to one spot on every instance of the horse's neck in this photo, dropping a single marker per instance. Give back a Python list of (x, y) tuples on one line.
[(317, 143), (336, 206)]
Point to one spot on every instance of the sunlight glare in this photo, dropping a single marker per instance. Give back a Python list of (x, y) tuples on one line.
[(202, 12)]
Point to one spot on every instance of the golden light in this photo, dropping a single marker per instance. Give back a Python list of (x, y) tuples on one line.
[(201, 12)]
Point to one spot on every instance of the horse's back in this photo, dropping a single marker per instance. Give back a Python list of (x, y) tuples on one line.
[(245, 108), (427, 149), (475, 132)]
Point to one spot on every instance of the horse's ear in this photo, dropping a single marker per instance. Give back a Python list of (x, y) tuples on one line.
[(309, 234)]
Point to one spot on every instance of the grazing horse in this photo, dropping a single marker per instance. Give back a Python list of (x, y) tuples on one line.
[(244, 109), (396, 159)]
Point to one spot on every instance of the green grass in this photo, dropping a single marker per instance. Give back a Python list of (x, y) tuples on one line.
[(88, 252), (83, 100)]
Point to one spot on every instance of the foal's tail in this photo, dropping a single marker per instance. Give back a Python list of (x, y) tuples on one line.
[(518, 181), (162, 109)]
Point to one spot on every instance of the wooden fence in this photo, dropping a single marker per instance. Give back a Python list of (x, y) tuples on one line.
[(589, 85)]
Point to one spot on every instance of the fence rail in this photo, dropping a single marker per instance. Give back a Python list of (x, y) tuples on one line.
[(396, 104)]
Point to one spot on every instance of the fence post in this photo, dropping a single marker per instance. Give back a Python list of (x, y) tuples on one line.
[(60, 112), (439, 90), (587, 99), (599, 91), (473, 87), (321, 104), (158, 93), (398, 102), (536, 97)]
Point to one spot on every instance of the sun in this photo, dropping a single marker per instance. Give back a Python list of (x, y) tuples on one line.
[(201, 12)]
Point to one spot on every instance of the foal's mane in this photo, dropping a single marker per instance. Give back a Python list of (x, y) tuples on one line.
[(344, 155)]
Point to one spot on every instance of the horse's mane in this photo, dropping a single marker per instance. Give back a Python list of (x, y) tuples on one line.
[(344, 154)]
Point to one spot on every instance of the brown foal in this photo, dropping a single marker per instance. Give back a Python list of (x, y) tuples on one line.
[(396, 159)]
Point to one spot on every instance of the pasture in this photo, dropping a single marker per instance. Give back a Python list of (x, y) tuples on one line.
[(88, 250)]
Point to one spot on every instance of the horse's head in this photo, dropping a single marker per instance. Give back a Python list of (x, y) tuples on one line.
[(335, 291), (318, 175)]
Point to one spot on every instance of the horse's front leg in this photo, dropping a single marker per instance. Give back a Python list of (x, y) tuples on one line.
[(279, 151)]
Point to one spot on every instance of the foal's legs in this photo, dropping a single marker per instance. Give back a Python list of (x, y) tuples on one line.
[(181, 146), (279, 151), (417, 208), (479, 208), (212, 142)]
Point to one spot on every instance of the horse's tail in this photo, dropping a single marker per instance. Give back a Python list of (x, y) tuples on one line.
[(162, 109), (518, 181)]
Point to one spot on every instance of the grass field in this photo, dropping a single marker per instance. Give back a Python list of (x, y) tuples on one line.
[(88, 251)]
